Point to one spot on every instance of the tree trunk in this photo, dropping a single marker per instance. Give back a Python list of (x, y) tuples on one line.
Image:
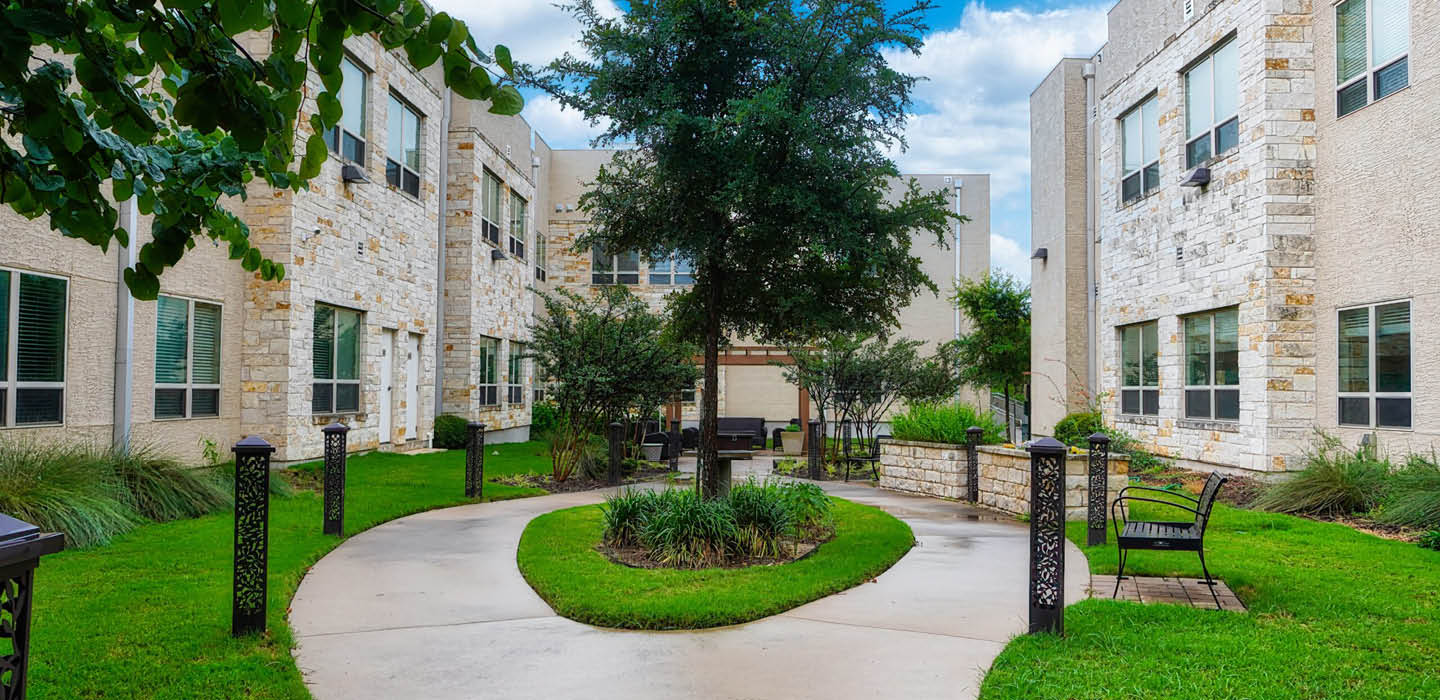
[(709, 418)]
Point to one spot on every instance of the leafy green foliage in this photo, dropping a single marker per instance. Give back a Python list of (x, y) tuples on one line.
[(1075, 429), (1413, 496), (762, 518), (689, 532), (543, 418), (1335, 481), (760, 130), (451, 432), (166, 104), (557, 556), (996, 350), (1431, 540), (927, 422), (607, 357)]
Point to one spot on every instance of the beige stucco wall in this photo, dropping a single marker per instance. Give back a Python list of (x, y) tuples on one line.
[(1376, 221), (1059, 343)]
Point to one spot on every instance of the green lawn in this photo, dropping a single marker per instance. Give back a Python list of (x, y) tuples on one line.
[(148, 616), (1334, 613), (557, 556)]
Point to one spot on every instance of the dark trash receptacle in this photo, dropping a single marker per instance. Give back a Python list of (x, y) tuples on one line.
[(21, 546)]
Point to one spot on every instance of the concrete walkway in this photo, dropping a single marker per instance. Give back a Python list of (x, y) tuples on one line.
[(433, 606)]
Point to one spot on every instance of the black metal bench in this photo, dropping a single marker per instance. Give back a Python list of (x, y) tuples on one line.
[(1169, 536)]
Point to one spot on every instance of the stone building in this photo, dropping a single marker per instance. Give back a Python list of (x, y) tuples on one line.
[(1232, 229)]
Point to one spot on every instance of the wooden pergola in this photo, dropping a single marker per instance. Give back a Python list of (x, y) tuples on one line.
[(752, 355)]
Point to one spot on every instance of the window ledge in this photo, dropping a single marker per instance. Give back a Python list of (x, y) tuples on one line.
[(328, 418), (24, 426), (1124, 204), (1360, 109), (1222, 426), (184, 419), (1135, 419)]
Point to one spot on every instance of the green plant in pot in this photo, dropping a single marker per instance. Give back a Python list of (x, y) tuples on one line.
[(792, 441)]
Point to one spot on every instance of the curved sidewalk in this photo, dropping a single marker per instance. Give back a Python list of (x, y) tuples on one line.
[(433, 606)]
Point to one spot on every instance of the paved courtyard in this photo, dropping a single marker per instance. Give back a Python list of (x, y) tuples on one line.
[(433, 606)]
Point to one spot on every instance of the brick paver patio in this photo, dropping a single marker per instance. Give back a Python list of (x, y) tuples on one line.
[(1156, 589)]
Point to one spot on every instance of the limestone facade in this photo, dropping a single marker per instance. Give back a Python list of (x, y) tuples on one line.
[(1275, 235)]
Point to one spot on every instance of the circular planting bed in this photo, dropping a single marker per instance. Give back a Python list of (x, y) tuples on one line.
[(562, 556)]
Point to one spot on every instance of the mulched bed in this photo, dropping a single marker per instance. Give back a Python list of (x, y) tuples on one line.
[(579, 482), (834, 471), (793, 550)]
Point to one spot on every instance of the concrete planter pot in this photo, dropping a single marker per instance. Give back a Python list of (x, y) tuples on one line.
[(792, 441), (652, 451)]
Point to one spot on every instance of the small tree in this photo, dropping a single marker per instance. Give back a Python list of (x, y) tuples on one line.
[(885, 372), (604, 357), (818, 369), (996, 351)]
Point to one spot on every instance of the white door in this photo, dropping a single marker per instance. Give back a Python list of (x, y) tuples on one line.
[(412, 386), (387, 378)]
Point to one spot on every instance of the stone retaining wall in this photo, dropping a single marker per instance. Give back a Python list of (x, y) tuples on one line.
[(939, 469)]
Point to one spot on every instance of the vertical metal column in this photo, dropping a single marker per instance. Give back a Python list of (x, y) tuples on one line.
[(475, 460), (252, 534), (1047, 536), (972, 466), (817, 442), (1099, 482), (676, 445), (617, 437), (21, 546), (335, 439)]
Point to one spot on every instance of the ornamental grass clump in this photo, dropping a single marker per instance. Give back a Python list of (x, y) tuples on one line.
[(1413, 497), (1335, 481), (762, 518), (929, 422), (626, 513), (689, 532)]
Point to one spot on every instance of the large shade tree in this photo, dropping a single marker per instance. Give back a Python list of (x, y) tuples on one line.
[(759, 130), (102, 100)]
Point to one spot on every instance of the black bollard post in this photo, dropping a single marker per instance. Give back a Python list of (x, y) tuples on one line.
[(252, 534), (475, 461), (21, 546), (1099, 482), (1047, 536), (972, 466), (676, 445), (617, 437), (335, 436), (817, 441)]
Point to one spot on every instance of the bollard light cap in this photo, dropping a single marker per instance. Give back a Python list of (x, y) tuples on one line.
[(974, 430), (1100, 438), (1047, 445), (473, 425), (336, 427), (253, 443)]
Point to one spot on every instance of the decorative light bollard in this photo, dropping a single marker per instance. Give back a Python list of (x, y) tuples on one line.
[(21, 546), (1047, 536), (617, 439), (676, 445), (972, 465), (475, 460), (252, 534), (816, 444), (335, 437), (1099, 480)]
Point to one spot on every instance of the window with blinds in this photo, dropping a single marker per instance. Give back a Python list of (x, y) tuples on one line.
[(1372, 47), (1212, 365), (1375, 366), (490, 190), (515, 374), (1140, 369), (487, 371), (32, 348), (335, 358), (672, 270), (187, 358)]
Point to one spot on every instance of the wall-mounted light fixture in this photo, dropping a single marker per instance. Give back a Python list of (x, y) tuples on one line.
[(496, 255), (353, 173), (1198, 177), (1041, 254)]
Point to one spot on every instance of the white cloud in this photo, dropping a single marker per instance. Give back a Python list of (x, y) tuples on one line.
[(535, 31), (1007, 256), (560, 127)]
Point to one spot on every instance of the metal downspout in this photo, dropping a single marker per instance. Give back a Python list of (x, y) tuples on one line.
[(1092, 272), (124, 331), (440, 287)]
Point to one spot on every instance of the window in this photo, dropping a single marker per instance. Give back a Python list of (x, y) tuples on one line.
[(687, 395), (336, 359), (347, 139), (490, 207), (489, 378), (1140, 132), (402, 154), (1212, 102), (540, 256), (518, 217), (32, 348), (1375, 366), (672, 270), (515, 374), (1371, 57), (1212, 365), (609, 268), (1140, 360), (187, 358)]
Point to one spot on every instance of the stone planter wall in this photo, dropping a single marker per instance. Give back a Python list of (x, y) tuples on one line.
[(939, 469)]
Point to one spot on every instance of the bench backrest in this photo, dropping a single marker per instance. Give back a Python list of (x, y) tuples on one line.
[(1207, 500)]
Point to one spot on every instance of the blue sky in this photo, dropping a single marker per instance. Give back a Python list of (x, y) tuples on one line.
[(980, 62)]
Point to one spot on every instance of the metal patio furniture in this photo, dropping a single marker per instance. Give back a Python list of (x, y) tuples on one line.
[(1168, 536)]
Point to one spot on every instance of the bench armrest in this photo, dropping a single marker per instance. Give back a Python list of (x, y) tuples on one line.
[(1185, 496), (1114, 518)]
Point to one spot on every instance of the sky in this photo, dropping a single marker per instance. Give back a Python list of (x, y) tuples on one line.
[(971, 114)]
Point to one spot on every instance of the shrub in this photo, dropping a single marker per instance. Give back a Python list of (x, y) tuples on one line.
[(1334, 481), (689, 532), (543, 419), (1076, 428), (809, 508), (625, 514), (1431, 540), (1413, 498), (762, 518), (927, 422), (162, 489), (450, 432)]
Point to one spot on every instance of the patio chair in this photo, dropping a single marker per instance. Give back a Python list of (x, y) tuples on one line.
[(1171, 536), (871, 457)]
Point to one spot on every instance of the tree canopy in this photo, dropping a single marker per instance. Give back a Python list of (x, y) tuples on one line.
[(162, 102), (759, 130), (995, 352)]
